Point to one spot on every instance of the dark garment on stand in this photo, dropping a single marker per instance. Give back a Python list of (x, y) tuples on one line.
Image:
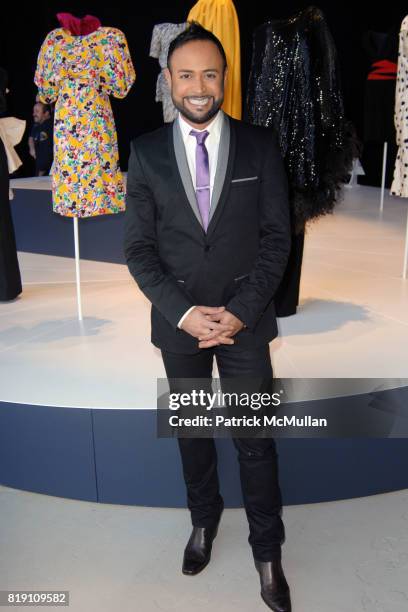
[(42, 134), (294, 87), (287, 296), (257, 457), (10, 280)]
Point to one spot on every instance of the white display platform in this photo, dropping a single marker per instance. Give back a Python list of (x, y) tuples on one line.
[(352, 320)]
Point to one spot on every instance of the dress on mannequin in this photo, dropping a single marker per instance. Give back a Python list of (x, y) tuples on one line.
[(220, 18), (399, 185), (163, 35), (294, 88), (10, 280), (79, 73)]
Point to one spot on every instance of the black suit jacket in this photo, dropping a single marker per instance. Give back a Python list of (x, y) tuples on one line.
[(241, 259)]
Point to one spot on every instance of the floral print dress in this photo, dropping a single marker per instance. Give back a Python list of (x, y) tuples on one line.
[(79, 73)]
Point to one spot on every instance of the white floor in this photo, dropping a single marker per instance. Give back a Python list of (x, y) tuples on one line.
[(346, 556), (352, 320)]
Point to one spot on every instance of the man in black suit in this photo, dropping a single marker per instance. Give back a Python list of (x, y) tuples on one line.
[(207, 240)]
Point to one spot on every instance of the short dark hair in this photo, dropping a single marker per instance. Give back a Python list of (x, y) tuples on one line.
[(46, 107), (195, 31)]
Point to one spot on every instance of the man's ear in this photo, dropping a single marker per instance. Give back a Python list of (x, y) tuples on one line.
[(225, 75), (167, 76)]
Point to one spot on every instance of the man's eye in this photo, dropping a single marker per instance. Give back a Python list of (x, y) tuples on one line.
[(185, 76), (211, 75)]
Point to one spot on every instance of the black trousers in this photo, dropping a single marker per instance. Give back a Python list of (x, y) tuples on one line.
[(257, 457)]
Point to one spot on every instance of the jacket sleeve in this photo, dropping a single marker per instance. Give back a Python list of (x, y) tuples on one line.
[(141, 249), (257, 290)]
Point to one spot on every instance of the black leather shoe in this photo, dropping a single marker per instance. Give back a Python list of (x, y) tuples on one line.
[(274, 588), (197, 553)]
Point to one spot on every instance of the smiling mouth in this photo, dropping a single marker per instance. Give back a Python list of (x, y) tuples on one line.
[(199, 101)]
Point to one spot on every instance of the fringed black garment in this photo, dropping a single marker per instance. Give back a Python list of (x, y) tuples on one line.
[(294, 88), (10, 281)]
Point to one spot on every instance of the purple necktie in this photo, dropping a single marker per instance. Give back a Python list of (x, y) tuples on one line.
[(202, 176)]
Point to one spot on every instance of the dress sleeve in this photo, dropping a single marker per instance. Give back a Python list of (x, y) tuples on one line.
[(155, 45), (46, 71), (118, 74)]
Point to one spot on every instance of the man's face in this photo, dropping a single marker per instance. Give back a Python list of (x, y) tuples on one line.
[(197, 81), (38, 113)]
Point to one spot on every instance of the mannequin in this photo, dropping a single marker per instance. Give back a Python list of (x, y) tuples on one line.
[(79, 72), (79, 66)]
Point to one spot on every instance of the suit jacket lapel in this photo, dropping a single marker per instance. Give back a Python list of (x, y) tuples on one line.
[(222, 163), (184, 170), (223, 177)]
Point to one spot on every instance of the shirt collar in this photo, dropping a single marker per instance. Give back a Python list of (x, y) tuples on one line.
[(186, 127)]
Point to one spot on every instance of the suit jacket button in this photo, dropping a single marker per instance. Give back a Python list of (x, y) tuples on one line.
[(207, 248)]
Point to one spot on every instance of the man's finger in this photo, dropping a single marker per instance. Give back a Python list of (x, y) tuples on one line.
[(211, 309), (214, 329), (214, 333), (225, 340), (213, 317), (211, 343), (214, 325), (208, 343), (215, 342)]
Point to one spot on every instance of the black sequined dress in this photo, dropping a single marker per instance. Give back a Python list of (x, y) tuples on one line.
[(294, 88), (10, 281)]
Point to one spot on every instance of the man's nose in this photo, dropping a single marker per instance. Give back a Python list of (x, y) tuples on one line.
[(199, 86)]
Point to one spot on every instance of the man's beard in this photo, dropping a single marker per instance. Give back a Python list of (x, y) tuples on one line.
[(216, 105)]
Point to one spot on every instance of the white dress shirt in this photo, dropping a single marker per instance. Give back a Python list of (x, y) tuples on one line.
[(212, 143)]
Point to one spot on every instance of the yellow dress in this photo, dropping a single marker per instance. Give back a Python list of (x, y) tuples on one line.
[(220, 17), (79, 73)]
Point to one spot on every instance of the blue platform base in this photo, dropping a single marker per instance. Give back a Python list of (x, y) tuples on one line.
[(114, 456), (101, 238)]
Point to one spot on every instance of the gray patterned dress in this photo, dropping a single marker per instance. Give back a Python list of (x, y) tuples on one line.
[(163, 34)]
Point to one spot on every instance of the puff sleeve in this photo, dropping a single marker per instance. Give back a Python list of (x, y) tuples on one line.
[(47, 70), (117, 74)]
